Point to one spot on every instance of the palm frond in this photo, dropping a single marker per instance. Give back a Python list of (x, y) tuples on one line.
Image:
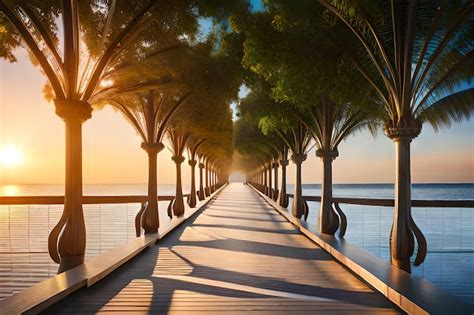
[(452, 108)]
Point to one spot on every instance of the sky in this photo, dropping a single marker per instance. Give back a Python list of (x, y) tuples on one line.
[(112, 153)]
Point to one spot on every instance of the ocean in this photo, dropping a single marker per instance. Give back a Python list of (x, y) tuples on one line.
[(88, 190), (419, 191), (449, 231)]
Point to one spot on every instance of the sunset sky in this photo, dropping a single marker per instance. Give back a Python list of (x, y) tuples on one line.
[(112, 152)]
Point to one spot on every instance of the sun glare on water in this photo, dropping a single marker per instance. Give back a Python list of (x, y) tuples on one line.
[(10, 156)]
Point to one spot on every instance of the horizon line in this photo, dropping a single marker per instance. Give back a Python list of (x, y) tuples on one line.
[(288, 183)]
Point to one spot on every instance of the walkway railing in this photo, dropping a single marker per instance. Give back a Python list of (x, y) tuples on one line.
[(448, 226), (26, 222), (383, 203), (449, 229)]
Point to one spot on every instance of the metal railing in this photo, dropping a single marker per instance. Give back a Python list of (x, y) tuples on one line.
[(26, 222), (448, 226), (337, 201)]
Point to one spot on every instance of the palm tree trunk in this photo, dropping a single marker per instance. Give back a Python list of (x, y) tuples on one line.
[(270, 189), (265, 181), (401, 236), (192, 194), (275, 192), (259, 181), (150, 217), (213, 182), (178, 205), (201, 194), (298, 206), (328, 220), (283, 197), (71, 242), (206, 189)]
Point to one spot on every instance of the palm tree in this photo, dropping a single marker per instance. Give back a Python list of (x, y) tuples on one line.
[(201, 192), (207, 163), (260, 160), (149, 113), (299, 143), (297, 138), (193, 146), (178, 139), (71, 86), (329, 124), (418, 56), (279, 151), (282, 195)]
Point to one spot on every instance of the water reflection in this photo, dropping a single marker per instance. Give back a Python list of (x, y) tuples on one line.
[(10, 190)]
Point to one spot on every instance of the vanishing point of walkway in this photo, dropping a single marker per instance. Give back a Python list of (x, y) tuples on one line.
[(238, 255)]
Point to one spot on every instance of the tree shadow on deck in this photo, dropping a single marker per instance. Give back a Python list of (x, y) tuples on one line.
[(161, 287), (258, 248), (248, 228), (242, 218), (269, 214), (163, 290)]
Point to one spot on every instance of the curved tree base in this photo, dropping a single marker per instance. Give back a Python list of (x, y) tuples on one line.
[(201, 196), (403, 264), (178, 207), (53, 239), (342, 220), (192, 202), (69, 262), (150, 219), (276, 194), (283, 201), (299, 208), (138, 219), (329, 220)]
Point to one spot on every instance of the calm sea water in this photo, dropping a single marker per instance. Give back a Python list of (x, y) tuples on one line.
[(89, 190), (449, 231), (419, 191)]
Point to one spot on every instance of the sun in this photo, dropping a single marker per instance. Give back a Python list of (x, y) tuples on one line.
[(10, 156)]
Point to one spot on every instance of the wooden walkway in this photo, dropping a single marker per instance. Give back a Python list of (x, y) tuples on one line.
[(238, 255)]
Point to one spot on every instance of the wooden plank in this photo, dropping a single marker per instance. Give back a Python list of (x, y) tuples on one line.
[(103, 265), (236, 256), (413, 294), (48, 292)]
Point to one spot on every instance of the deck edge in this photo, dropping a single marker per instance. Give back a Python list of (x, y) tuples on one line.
[(412, 294)]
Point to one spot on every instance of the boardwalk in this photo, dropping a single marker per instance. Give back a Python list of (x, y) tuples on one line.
[(237, 255)]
